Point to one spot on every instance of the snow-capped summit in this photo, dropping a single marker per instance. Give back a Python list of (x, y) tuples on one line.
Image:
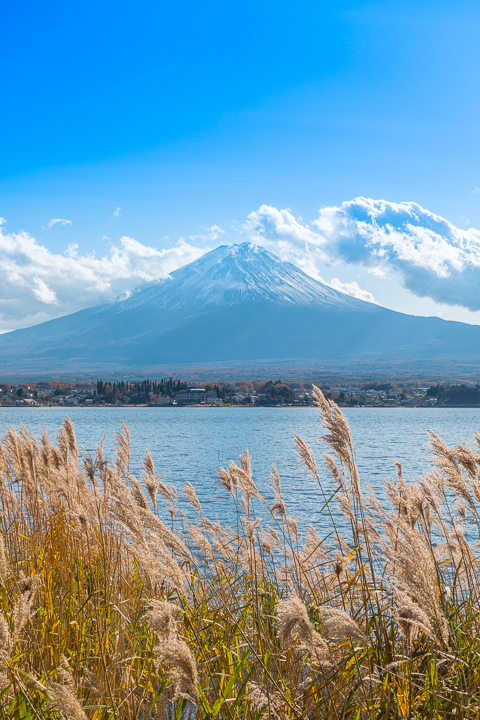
[(237, 305), (231, 274)]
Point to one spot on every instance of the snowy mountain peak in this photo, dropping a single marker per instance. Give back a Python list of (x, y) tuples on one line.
[(239, 307), (232, 274)]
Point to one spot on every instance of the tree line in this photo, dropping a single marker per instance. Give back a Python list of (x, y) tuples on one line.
[(455, 394)]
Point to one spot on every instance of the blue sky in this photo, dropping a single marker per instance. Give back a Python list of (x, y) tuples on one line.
[(190, 116)]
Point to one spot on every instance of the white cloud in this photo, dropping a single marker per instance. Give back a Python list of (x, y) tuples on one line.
[(56, 221), (38, 285), (118, 212), (43, 293), (352, 289), (433, 257), (211, 234), (280, 232)]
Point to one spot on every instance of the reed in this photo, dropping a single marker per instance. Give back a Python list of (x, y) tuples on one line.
[(121, 600)]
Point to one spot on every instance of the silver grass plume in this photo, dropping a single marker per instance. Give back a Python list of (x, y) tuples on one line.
[(338, 436), (294, 625), (90, 682), (173, 491), (172, 649), (260, 700), (6, 640), (71, 439), (278, 505), (201, 541), (411, 618), (66, 442), (165, 491), (191, 495), (123, 449), (65, 674), (448, 461), (336, 622), (407, 499), (137, 492), (226, 480), (22, 608), (240, 477), (90, 467), (306, 455), (66, 702), (291, 523), (151, 479), (3, 561), (414, 572), (266, 544), (250, 528), (340, 563)]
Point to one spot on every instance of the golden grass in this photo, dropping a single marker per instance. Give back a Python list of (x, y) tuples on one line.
[(115, 604)]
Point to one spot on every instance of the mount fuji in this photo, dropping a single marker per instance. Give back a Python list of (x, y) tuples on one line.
[(237, 306)]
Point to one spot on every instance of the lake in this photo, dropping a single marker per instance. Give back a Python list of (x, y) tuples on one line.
[(191, 443)]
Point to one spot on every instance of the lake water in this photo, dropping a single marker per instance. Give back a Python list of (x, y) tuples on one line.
[(191, 443)]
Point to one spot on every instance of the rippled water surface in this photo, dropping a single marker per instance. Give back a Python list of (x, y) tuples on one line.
[(191, 443)]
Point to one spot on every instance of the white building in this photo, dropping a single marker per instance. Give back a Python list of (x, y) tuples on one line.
[(197, 396)]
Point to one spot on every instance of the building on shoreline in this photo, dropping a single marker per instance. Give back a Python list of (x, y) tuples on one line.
[(197, 396)]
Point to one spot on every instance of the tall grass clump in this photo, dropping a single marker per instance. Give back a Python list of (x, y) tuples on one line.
[(120, 600)]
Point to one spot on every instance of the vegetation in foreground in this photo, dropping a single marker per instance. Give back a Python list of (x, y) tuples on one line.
[(113, 604)]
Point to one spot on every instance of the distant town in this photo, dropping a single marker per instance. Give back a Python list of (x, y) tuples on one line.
[(174, 392)]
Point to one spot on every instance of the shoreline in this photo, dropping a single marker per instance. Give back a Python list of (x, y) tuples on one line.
[(243, 407)]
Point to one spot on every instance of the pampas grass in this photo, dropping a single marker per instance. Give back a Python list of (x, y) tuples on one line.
[(120, 600)]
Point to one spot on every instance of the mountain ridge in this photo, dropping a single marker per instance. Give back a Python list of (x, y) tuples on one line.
[(232, 273), (235, 305)]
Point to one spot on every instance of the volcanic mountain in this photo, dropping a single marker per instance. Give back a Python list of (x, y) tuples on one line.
[(238, 305)]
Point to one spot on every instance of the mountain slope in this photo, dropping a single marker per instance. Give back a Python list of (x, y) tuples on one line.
[(237, 304), (234, 274)]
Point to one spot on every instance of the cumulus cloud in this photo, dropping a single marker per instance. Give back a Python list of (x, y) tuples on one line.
[(118, 212), (433, 257), (44, 293), (38, 285), (280, 232), (352, 289), (56, 221)]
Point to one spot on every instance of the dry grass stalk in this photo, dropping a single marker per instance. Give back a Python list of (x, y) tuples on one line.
[(94, 534)]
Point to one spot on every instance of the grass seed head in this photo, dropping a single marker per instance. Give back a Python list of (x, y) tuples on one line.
[(294, 625), (67, 703)]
